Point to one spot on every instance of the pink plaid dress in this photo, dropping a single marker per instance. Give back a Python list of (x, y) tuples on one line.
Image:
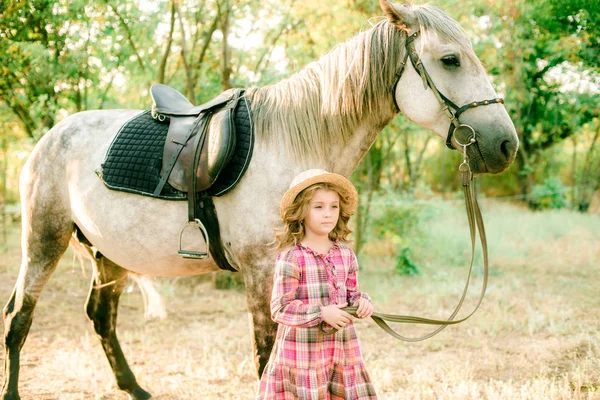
[(306, 364)]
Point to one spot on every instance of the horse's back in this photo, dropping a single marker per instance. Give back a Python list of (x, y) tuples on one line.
[(78, 133)]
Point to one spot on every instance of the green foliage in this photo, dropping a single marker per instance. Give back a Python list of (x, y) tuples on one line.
[(405, 264), (58, 57), (398, 223), (226, 280), (548, 195), (540, 55), (39, 59)]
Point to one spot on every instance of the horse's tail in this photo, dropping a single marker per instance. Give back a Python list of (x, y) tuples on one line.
[(81, 252), (153, 305)]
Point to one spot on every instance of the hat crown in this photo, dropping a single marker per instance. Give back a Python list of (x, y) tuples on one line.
[(310, 177), (304, 175)]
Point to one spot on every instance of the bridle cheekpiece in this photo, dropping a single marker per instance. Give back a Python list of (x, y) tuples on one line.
[(451, 110)]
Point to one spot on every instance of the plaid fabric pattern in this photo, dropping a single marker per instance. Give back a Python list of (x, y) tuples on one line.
[(304, 363)]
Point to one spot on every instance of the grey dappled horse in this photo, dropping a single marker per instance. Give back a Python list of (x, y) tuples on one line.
[(326, 116)]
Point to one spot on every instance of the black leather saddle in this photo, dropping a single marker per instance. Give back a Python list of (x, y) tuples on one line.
[(194, 155)]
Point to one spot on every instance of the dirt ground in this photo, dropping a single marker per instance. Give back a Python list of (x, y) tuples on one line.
[(535, 337)]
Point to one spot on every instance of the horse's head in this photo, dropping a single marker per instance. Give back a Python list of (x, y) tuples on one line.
[(443, 71)]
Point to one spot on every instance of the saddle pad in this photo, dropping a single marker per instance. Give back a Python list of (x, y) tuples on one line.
[(134, 158)]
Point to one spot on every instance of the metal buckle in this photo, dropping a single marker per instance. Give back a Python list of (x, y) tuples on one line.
[(156, 116), (189, 253), (465, 168)]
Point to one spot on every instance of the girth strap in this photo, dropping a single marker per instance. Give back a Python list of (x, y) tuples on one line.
[(206, 212)]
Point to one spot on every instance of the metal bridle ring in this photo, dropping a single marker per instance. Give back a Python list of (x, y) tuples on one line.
[(471, 137)]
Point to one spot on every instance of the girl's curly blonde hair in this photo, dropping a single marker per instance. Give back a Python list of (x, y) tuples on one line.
[(293, 216)]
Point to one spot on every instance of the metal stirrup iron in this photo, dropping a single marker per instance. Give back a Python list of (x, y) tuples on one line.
[(189, 253)]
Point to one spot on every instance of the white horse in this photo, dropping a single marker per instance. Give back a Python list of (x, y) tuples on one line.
[(326, 116)]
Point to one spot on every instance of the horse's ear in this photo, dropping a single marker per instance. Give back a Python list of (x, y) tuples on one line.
[(400, 16)]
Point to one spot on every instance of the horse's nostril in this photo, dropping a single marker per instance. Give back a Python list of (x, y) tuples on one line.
[(506, 149)]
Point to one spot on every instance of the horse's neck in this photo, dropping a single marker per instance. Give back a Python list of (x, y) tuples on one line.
[(299, 117), (344, 157)]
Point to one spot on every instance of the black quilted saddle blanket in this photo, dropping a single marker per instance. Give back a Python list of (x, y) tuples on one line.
[(134, 158)]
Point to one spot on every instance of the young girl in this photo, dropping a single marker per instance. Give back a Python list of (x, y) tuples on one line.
[(316, 276)]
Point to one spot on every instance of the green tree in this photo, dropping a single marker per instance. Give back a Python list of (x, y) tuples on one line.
[(61, 55), (33, 59), (537, 47)]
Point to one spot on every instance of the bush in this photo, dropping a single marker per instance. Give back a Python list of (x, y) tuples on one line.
[(396, 223), (404, 263), (226, 280), (548, 195), (399, 225)]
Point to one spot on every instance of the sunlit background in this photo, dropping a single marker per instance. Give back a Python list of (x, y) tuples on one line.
[(536, 335)]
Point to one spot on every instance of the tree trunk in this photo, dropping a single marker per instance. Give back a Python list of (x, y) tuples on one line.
[(188, 71), (129, 35), (418, 164), (413, 168), (574, 171), (362, 212), (165, 57), (3, 187), (226, 70), (23, 114), (590, 176), (284, 27), (523, 172), (206, 43)]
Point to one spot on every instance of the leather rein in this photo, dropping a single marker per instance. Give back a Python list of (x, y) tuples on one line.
[(475, 219)]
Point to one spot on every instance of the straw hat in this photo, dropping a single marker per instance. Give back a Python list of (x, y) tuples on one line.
[(312, 176)]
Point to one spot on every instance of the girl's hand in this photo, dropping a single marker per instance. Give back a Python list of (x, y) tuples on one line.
[(335, 317), (365, 308)]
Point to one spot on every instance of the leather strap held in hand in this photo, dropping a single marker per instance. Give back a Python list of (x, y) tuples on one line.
[(475, 223)]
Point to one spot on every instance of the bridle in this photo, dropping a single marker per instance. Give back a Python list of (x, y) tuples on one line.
[(452, 111)]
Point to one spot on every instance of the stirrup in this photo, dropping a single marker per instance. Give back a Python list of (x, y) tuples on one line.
[(189, 253)]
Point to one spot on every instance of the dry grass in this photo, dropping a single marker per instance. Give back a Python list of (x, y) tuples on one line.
[(535, 337)]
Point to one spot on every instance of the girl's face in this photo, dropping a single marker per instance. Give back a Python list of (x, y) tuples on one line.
[(323, 213)]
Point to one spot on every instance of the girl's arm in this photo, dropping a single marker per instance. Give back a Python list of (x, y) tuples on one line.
[(285, 309), (353, 295)]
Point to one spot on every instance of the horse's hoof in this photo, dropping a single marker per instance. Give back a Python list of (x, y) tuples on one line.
[(10, 396), (139, 394)]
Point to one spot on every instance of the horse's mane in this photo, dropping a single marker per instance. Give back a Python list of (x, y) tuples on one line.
[(328, 100)]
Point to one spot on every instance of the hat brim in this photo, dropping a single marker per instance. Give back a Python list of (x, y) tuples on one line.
[(339, 181)]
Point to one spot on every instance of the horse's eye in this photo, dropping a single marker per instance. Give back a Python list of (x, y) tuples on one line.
[(451, 61)]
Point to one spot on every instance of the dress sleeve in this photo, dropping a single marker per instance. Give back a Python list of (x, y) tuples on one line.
[(285, 308), (352, 283)]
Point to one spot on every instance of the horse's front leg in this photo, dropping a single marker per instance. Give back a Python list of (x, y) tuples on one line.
[(258, 280), (102, 307)]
